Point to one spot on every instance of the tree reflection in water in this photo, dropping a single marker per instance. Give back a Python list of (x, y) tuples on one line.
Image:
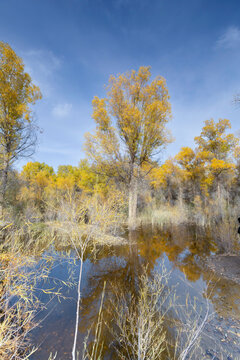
[(184, 250)]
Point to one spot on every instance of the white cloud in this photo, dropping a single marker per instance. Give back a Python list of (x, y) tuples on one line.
[(230, 39), (56, 150), (43, 66), (62, 110), (44, 60)]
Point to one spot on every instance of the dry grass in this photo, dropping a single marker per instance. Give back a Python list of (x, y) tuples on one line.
[(164, 215), (95, 351), (20, 276), (225, 234), (153, 325), (18, 303), (102, 219), (138, 320)]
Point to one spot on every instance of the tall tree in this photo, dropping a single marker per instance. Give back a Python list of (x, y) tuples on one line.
[(17, 130), (130, 128), (220, 146)]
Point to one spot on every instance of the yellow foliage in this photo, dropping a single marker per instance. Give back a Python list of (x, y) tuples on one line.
[(218, 167), (140, 111), (212, 158), (213, 139), (65, 182), (193, 164), (16, 94), (162, 175)]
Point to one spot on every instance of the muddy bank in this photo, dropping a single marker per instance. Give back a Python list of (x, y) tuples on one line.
[(227, 266)]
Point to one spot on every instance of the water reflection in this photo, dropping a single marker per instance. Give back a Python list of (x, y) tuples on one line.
[(184, 250)]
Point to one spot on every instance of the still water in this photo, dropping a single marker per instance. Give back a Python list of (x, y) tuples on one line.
[(183, 252)]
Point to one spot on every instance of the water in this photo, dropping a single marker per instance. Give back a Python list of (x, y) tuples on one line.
[(183, 252)]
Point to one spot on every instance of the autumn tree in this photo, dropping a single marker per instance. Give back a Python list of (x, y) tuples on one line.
[(237, 175), (168, 177), (193, 164), (215, 140), (17, 130), (37, 178), (80, 178), (130, 128), (220, 146)]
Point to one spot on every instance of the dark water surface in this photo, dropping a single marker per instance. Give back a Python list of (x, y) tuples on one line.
[(183, 251)]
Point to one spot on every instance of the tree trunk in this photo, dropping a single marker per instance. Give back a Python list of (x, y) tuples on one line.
[(218, 193), (180, 196), (4, 185), (132, 204), (219, 201)]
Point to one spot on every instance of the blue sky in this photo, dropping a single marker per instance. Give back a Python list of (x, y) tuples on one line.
[(71, 47)]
